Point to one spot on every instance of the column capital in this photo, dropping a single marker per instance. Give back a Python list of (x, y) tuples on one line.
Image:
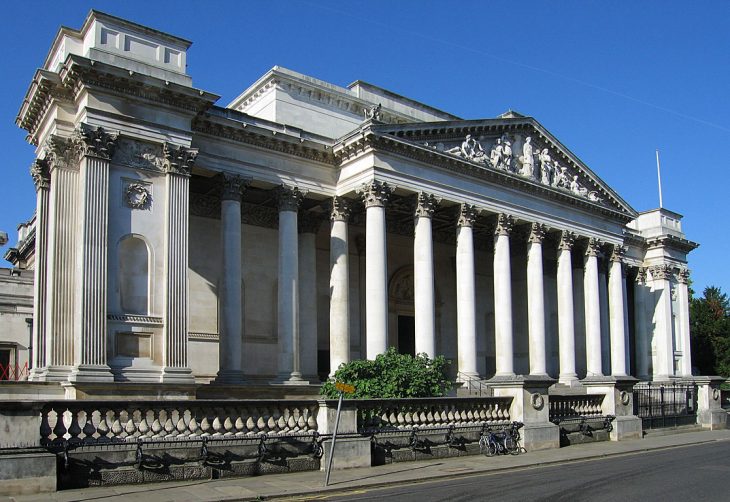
[(618, 253), (641, 275), (309, 222), (426, 204), (505, 224), (567, 240), (339, 209), (41, 174), (94, 141), (683, 275), (594, 247), (537, 233), (467, 215), (661, 272), (376, 193), (178, 159), (232, 186), (289, 198)]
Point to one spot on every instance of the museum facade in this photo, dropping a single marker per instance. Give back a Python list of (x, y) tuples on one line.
[(305, 225)]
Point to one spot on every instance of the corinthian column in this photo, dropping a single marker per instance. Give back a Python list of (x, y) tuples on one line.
[(42, 179), (423, 276), (466, 293), (642, 336), (566, 322), (230, 347), (593, 309), (375, 196), (617, 312), (503, 297), (663, 326), (95, 148), (288, 291), (536, 301), (178, 163), (339, 285), (683, 315), (308, 226)]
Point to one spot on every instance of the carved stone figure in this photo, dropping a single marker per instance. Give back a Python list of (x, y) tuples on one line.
[(373, 112), (527, 159), (495, 156), (577, 188), (470, 149), (561, 180), (546, 166), (507, 154)]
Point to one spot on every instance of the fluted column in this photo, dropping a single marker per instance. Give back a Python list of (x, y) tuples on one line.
[(423, 282), (536, 301), (503, 345), (640, 325), (663, 326), (339, 285), (308, 227), (95, 148), (466, 293), (592, 309), (683, 315), (42, 178), (617, 312), (230, 347), (289, 199), (375, 196), (178, 164), (566, 320)]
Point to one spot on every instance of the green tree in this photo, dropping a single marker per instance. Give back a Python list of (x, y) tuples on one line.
[(392, 375), (710, 332)]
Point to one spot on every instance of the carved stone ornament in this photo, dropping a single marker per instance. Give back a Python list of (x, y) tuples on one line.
[(625, 398), (376, 193), (683, 276), (139, 155), (94, 141), (340, 209), (41, 174), (641, 275), (60, 152), (137, 196), (594, 247), (537, 401), (567, 240), (289, 198), (505, 224), (232, 186), (373, 113), (715, 394), (618, 253), (426, 204), (661, 272), (178, 159), (467, 215), (537, 233)]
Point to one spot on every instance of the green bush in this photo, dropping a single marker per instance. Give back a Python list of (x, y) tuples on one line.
[(392, 375)]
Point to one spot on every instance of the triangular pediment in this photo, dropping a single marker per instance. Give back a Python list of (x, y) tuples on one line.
[(515, 148)]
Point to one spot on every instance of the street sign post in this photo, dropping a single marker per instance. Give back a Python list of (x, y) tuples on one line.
[(344, 389)]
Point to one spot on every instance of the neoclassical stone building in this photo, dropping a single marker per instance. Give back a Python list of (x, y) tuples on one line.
[(306, 224)]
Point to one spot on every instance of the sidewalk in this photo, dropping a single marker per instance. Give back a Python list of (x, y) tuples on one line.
[(310, 484)]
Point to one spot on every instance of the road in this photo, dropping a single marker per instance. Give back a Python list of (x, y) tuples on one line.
[(700, 472)]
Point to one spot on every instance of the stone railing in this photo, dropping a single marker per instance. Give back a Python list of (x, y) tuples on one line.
[(565, 407), (94, 422), (394, 414)]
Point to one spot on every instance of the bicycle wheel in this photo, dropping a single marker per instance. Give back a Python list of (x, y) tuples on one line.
[(491, 449)]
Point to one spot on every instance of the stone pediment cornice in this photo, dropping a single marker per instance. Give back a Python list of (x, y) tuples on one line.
[(268, 138), (670, 241), (80, 73), (372, 136)]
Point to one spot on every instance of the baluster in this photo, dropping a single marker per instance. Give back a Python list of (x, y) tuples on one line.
[(45, 428)]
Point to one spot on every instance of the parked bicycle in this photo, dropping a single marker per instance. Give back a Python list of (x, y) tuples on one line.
[(502, 441)]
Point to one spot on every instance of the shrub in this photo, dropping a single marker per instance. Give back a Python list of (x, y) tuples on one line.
[(392, 375)]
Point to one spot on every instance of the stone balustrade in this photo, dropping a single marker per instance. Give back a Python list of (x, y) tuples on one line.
[(95, 422), (393, 414), (588, 406)]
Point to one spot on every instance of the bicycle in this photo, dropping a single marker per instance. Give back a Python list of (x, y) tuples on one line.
[(501, 442)]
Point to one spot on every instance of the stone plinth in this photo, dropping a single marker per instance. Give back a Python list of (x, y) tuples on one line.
[(710, 413), (619, 402)]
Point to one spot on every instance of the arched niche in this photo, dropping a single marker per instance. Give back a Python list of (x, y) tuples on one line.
[(134, 274)]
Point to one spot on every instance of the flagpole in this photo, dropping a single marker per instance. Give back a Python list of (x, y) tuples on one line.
[(659, 179)]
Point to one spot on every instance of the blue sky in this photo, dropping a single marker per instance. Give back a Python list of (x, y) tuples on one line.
[(613, 81)]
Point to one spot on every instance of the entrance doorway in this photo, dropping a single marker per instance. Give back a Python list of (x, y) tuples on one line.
[(407, 334)]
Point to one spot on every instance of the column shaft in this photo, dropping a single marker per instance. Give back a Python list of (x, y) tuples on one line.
[(617, 314), (640, 326), (42, 178), (339, 286), (423, 280), (308, 297), (593, 311), (536, 301), (466, 294), (663, 325), (503, 345), (683, 314), (566, 322)]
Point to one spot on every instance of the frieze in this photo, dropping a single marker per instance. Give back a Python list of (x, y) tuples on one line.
[(139, 155), (41, 174)]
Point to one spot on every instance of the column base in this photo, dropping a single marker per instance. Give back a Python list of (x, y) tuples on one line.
[(37, 374), (290, 379), (91, 373), (53, 374), (176, 375), (228, 377), (570, 379)]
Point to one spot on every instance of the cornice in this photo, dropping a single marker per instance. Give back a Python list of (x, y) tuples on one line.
[(672, 242)]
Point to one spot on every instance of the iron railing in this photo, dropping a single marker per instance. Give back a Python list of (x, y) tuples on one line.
[(665, 405)]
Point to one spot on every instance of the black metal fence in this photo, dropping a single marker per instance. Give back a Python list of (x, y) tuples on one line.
[(665, 405)]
